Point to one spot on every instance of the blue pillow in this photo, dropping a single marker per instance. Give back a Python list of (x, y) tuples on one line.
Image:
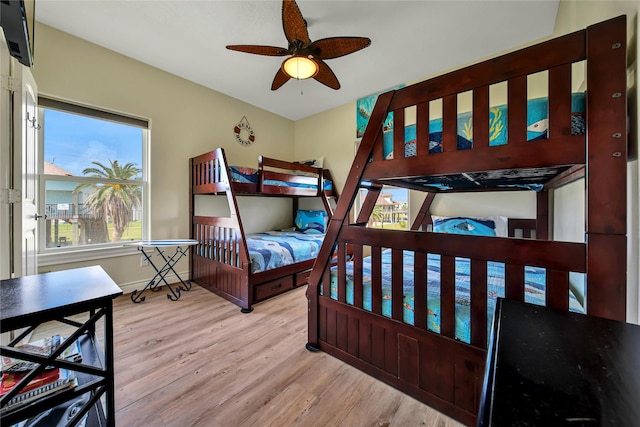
[(306, 221), (461, 225)]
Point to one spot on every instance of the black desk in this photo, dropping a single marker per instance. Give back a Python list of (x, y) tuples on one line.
[(554, 368), (29, 301)]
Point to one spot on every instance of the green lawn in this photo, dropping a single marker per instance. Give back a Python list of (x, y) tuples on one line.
[(133, 231), (402, 225)]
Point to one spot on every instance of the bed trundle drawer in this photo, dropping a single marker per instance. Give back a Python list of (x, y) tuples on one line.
[(301, 278), (274, 287)]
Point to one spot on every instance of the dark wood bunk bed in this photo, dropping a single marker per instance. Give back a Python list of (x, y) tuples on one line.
[(440, 369), (221, 262)]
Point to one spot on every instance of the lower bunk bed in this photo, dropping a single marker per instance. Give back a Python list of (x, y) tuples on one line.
[(413, 308), (247, 268)]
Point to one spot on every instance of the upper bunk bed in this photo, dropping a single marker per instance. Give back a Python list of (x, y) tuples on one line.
[(412, 308), (249, 268)]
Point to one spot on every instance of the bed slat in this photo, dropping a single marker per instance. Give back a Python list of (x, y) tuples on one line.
[(398, 134), (376, 281), (450, 123), (514, 282), (447, 296), (557, 289), (560, 100), (342, 273), (397, 300), (480, 113), (420, 291), (478, 292), (517, 110), (422, 129), (357, 275)]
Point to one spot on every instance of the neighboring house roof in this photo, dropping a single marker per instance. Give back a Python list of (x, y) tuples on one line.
[(51, 169), (386, 199)]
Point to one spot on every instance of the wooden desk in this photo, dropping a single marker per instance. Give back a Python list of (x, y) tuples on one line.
[(29, 301), (554, 368)]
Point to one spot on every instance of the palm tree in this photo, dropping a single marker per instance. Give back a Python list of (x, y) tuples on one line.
[(115, 201), (377, 215)]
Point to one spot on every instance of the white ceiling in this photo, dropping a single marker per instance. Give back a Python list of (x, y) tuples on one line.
[(410, 40)]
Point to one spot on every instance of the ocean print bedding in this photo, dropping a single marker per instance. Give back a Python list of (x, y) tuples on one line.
[(275, 249), (534, 290), (250, 175), (537, 126)]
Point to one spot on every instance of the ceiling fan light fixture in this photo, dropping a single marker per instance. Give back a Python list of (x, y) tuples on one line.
[(300, 67)]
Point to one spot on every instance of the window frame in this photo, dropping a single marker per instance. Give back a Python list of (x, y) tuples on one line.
[(68, 254)]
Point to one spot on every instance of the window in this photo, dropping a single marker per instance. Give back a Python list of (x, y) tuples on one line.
[(94, 181), (391, 210)]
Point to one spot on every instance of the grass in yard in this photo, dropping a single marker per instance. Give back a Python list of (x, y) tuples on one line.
[(133, 232)]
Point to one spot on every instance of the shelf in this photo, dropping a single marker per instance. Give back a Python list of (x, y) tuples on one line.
[(33, 300)]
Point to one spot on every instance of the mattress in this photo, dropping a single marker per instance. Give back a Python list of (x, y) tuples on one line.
[(250, 175), (537, 127), (535, 283), (275, 249)]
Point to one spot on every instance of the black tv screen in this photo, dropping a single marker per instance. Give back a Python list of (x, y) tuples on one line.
[(17, 19)]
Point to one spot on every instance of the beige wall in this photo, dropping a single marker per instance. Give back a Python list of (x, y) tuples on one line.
[(186, 120)]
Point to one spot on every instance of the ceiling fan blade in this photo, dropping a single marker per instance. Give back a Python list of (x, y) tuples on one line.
[(326, 76), (335, 47), (295, 28), (280, 79), (259, 50)]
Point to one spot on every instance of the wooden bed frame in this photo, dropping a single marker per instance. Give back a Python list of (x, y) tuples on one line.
[(220, 261), (437, 369)]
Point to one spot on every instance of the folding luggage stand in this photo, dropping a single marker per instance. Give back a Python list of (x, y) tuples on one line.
[(181, 249)]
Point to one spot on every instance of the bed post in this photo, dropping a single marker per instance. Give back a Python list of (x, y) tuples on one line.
[(542, 215), (606, 179), (341, 214)]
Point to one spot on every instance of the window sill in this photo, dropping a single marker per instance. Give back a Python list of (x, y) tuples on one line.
[(62, 256)]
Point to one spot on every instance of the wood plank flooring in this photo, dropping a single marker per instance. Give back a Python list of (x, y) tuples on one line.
[(199, 361)]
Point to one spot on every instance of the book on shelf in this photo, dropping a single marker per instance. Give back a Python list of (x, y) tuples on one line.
[(30, 396), (9, 380), (42, 347)]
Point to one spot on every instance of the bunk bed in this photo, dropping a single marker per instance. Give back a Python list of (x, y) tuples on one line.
[(249, 268), (358, 309)]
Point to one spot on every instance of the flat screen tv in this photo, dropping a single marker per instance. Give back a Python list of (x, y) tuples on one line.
[(17, 19)]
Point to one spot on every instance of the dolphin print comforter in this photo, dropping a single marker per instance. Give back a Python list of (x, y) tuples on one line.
[(534, 290), (275, 249)]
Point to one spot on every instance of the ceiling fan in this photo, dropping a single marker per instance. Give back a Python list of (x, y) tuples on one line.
[(305, 59)]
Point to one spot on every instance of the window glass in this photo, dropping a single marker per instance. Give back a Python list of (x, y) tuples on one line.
[(94, 177), (391, 210)]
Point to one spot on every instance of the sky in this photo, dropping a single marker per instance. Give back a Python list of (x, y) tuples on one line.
[(399, 194), (72, 142)]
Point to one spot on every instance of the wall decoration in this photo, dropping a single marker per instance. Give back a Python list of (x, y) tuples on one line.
[(243, 132), (364, 108)]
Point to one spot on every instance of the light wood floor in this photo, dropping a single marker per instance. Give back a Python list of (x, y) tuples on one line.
[(198, 361)]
